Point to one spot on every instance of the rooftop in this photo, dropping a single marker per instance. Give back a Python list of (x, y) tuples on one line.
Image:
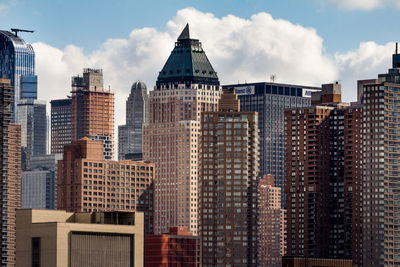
[(188, 63)]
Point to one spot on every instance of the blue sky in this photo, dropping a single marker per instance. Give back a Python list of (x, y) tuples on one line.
[(89, 23)]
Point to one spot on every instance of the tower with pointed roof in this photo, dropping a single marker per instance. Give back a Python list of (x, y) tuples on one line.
[(137, 112), (186, 86)]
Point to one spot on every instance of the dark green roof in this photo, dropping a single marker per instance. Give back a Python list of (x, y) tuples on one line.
[(188, 63)]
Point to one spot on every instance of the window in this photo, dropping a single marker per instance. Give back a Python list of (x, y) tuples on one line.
[(35, 251)]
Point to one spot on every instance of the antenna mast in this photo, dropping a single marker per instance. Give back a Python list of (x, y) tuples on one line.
[(15, 31)]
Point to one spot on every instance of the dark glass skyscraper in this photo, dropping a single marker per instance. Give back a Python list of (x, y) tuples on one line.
[(137, 113), (61, 131), (270, 101), (17, 63)]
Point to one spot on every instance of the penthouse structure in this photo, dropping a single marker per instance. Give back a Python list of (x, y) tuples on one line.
[(93, 110), (228, 185), (323, 143), (87, 182), (137, 113), (270, 100), (10, 174), (271, 221), (61, 128), (186, 86)]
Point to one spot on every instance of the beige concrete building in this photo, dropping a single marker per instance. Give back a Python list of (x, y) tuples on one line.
[(186, 86), (56, 238), (87, 182)]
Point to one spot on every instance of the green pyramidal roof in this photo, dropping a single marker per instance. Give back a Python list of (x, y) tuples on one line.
[(188, 63)]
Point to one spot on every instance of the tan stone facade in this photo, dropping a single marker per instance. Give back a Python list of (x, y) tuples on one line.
[(50, 238), (87, 182), (171, 141)]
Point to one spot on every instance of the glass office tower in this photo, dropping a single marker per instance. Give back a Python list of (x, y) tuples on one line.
[(17, 63)]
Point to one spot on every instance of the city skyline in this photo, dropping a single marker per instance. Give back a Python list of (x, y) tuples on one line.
[(141, 44)]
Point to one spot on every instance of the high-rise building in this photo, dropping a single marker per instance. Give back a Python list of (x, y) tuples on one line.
[(61, 129), (380, 164), (39, 185), (31, 115), (323, 146), (66, 239), (17, 63), (93, 110), (37, 190), (271, 223), (186, 86), (137, 113), (178, 247), (10, 174), (270, 101), (87, 182), (228, 185)]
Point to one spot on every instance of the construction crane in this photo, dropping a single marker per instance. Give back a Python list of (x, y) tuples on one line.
[(19, 30)]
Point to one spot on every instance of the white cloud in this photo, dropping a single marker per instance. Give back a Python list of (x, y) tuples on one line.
[(239, 50), (364, 4), (365, 62), (6, 5)]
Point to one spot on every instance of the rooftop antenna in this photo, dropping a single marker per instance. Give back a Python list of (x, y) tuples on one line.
[(19, 30), (396, 47), (272, 78)]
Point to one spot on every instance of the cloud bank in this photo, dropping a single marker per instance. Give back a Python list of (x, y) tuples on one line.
[(239, 49)]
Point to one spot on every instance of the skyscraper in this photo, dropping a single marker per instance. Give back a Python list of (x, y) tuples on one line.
[(137, 113), (10, 174), (186, 86), (17, 63), (93, 110), (39, 184), (228, 185), (31, 115), (322, 148), (380, 165), (87, 182), (270, 101), (61, 132)]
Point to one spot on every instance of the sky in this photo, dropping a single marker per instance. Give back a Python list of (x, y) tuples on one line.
[(307, 42)]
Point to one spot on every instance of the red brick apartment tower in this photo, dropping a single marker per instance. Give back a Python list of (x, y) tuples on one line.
[(93, 110), (353, 183), (186, 86), (271, 231), (229, 166), (10, 170), (87, 182), (178, 247), (319, 176)]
